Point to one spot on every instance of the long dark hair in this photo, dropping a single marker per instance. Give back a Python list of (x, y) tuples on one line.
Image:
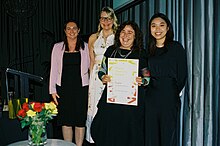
[(79, 42), (169, 35), (138, 41)]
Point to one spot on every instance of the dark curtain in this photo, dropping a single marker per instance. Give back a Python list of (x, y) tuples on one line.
[(196, 25), (29, 28)]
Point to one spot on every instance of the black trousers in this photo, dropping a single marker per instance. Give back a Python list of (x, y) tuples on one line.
[(162, 127)]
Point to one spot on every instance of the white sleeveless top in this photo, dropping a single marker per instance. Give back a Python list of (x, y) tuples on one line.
[(95, 85), (100, 46)]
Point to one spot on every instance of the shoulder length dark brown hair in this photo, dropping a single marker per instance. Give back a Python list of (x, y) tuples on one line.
[(79, 42), (169, 35)]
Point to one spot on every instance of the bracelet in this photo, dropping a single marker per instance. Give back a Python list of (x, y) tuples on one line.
[(145, 81)]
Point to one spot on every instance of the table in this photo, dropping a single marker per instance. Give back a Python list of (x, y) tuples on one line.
[(50, 142)]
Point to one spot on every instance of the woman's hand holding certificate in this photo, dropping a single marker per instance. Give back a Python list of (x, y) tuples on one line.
[(105, 79)]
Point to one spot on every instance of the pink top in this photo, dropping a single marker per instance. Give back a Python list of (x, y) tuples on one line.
[(57, 65)]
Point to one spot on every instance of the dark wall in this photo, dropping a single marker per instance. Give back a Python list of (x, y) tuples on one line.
[(29, 28)]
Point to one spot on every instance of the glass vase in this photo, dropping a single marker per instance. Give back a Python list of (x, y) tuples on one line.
[(37, 134)]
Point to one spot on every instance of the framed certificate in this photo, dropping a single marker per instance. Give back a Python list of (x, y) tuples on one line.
[(123, 88)]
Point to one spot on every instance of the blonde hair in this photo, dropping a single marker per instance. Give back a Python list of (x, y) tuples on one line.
[(110, 12)]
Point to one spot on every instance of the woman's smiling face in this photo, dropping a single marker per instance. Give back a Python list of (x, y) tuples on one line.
[(106, 21), (127, 36), (71, 30), (159, 29)]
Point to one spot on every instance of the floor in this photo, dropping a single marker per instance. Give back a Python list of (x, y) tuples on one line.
[(88, 144), (57, 133)]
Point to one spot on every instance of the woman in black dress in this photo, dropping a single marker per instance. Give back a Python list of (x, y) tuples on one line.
[(69, 81), (168, 68), (118, 124)]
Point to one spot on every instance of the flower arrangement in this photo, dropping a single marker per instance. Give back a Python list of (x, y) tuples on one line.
[(36, 115)]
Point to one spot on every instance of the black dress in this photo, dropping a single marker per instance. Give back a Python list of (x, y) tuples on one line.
[(73, 101), (168, 75), (115, 124)]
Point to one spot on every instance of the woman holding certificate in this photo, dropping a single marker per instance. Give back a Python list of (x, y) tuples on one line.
[(168, 68), (120, 117)]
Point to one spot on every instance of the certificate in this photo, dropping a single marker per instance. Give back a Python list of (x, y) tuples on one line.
[(123, 88)]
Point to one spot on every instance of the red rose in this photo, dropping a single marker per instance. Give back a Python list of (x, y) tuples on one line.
[(25, 106), (21, 113), (38, 107)]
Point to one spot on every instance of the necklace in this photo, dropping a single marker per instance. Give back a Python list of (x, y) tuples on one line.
[(119, 52), (74, 51)]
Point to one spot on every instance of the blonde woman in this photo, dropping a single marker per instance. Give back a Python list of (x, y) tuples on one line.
[(98, 43)]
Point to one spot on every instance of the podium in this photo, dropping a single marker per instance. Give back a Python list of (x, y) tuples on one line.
[(18, 90), (17, 85), (21, 82)]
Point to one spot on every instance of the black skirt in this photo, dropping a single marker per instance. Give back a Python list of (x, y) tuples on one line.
[(73, 101)]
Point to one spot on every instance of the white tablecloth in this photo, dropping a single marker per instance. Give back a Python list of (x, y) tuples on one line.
[(50, 142)]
